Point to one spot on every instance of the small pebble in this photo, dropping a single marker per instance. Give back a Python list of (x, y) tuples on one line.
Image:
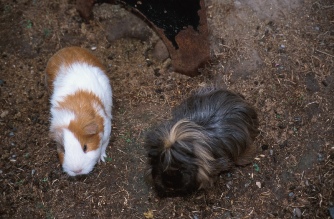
[(93, 48), (258, 184), (33, 172), (148, 62), (297, 212), (320, 157), (12, 158), (237, 3), (271, 152), (1, 172), (22, 146), (11, 134), (227, 215), (284, 144), (4, 114), (291, 194), (282, 126), (229, 184), (324, 83), (331, 212), (298, 119)]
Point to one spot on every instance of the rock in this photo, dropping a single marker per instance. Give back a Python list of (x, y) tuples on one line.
[(129, 26), (160, 51), (258, 184)]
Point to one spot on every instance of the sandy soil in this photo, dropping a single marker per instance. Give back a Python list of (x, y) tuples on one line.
[(278, 54)]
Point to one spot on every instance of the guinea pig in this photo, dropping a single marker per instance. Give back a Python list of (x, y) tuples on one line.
[(81, 104), (209, 133)]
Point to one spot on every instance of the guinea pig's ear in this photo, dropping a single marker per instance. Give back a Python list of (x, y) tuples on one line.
[(91, 128)]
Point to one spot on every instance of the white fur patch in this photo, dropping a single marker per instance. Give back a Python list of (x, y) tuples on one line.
[(76, 161), (81, 76), (61, 118)]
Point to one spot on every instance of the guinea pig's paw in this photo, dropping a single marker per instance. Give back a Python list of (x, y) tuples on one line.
[(103, 156)]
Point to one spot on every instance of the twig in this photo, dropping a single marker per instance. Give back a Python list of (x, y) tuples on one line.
[(325, 53), (327, 6)]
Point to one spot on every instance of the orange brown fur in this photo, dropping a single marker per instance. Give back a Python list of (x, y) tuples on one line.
[(67, 57), (82, 103), (61, 157)]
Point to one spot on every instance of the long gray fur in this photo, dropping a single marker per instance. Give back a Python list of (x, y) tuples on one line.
[(210, 132)]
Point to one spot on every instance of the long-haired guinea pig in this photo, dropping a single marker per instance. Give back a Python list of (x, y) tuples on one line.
[(81, 103), (209, 133)]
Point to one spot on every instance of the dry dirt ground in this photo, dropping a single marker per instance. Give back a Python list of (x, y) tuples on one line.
[(278, 54)]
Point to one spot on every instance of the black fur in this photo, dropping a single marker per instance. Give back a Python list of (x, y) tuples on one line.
[(210, 132)]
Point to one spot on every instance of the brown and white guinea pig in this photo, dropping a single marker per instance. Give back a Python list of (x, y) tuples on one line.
[(209, 133), (81, 103)]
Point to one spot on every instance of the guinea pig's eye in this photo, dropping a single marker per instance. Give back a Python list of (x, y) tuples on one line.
[(85, 148)]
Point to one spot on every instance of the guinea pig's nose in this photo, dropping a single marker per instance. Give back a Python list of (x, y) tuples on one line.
[(77, 171)]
